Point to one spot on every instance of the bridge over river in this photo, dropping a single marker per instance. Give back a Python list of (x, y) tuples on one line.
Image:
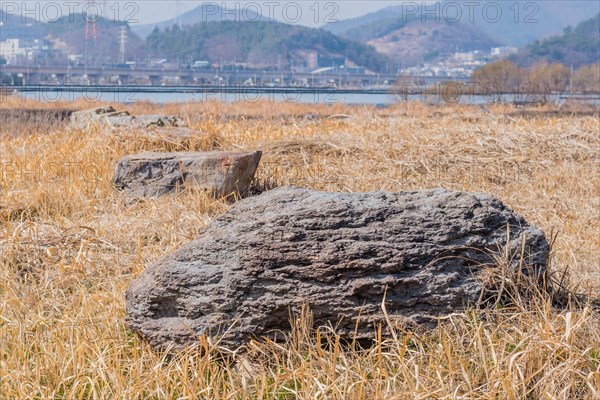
[(32, 75)]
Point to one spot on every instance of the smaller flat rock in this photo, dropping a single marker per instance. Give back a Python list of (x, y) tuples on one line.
[(156, 174), (108, 116), (175, 137), (86, 118), (145, 121), (174, 132)]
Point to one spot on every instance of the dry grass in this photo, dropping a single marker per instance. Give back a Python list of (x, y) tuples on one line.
[(70, 245)]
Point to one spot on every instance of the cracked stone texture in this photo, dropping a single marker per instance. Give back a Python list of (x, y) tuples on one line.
[(336, 252), (87, 118), (155, 174), (145, 121), (108, 116)]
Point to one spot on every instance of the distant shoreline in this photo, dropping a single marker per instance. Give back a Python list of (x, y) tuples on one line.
[(379, 97)]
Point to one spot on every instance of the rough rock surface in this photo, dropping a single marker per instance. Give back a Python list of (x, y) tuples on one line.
[(110, 117), (336, 252), (95, 116), (155, 174), (145, 121), (174, 138)]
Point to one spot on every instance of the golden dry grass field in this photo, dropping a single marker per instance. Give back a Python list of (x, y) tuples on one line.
[(71, 244)]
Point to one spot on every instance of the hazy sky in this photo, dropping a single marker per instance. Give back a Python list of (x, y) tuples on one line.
[(157, 10), (305, 12), (150, 11)]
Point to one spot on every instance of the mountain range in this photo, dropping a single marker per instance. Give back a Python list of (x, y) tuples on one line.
[(411, 41), (391, 36), (518, 23), (575, 47), (207, 12), (260, 44), (409, 37)]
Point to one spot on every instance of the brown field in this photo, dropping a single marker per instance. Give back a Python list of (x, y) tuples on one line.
[(71, 244)]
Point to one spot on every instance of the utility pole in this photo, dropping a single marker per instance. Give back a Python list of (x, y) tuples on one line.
[(90, 25), (122, 43)]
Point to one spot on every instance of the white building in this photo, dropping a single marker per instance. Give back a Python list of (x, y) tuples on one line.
[(9, 49), (463, 57), (503, 51)]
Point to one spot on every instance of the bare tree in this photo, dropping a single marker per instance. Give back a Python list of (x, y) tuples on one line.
[(549, 78), (587, 79), (498, 77)]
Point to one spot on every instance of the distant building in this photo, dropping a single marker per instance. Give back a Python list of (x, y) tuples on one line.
[(10, 49), (469, 56), (316, 60), (312, 60), (351, 70), (503, 51), (330, 61), (201, 64)]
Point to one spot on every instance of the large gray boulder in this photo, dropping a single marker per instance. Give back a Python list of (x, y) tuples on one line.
[(221, 173), (338, 253)]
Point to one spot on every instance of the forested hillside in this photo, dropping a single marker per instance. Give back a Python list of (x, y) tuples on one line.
[(576, 46), (258, 43)]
